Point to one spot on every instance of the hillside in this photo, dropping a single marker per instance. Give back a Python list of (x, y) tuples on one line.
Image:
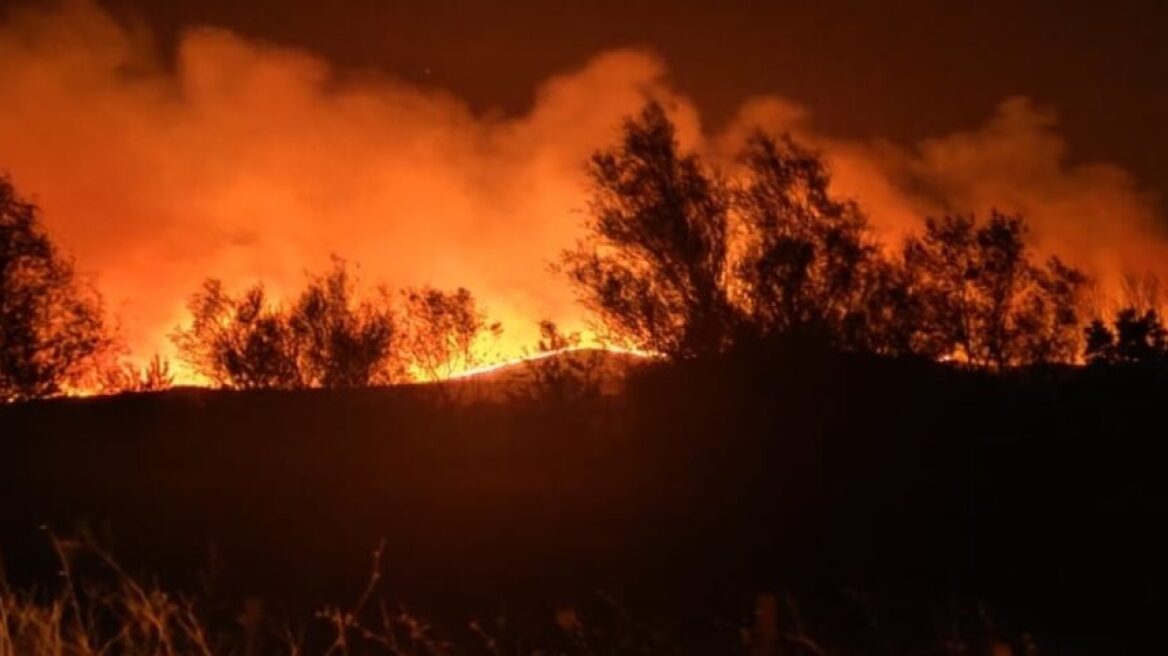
[(695, 487)]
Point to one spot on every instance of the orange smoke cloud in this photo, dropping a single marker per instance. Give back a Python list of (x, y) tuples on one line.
[(247, 161), (1093, 215)]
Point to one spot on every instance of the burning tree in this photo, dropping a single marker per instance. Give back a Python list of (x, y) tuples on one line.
[(51, 323)]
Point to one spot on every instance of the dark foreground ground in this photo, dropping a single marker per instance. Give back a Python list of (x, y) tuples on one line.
[(896, 503)]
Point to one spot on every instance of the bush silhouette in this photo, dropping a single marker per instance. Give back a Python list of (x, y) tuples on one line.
[(441, 331), (342, 342), (1134, 337), (327, 338), (242, 342), (682, 259), (51, 324)]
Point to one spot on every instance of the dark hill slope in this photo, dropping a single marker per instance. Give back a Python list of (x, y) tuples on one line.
[(1039, 492)]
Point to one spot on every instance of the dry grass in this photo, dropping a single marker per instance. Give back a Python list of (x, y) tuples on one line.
[(124, 617), (115, 614), (108, 612)]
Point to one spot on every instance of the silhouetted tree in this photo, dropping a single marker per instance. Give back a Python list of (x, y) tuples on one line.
[(441, 331), (807, 253), (680, 261), (888, 313), (242, 342), (51, 325), (1135, 337), (984, 302), (654, 263), (342, 342), (1049, 322)]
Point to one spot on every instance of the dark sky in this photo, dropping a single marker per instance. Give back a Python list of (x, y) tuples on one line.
[(865, 69)]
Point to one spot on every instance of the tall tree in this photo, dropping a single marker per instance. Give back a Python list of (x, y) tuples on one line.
[(51, 323), (654, 263), (807, 253), (679, 260)]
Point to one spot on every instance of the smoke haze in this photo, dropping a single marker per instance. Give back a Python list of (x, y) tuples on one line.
[(247, 161)]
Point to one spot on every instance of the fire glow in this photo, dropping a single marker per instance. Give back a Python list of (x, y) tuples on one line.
[(245, 161)]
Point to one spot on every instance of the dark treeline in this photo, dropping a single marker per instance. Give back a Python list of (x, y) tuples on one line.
[(678, 258)]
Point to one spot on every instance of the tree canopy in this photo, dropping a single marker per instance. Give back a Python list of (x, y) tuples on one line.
[(52, 327), (686, 260), (654, 264)]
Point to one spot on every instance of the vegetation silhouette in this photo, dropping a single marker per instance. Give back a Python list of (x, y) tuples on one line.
[(559, 372), (984, 302), (679, 258), (829, 414), (329, 338), (52, 331), (1133, 338), (441, 331), (122, 377), (343, 342), (654, 264), (684, 260), (241, 342)]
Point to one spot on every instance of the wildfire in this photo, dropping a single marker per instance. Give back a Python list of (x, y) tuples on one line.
[(244, 161), (536, 357)]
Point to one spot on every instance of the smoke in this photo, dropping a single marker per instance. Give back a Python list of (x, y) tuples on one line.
[(247, 161), (1093, 215)]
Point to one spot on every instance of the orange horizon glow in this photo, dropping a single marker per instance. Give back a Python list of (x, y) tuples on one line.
[(536, 357), (249, 162)]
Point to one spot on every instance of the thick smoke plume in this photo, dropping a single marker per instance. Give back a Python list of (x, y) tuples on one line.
[(247, 161)]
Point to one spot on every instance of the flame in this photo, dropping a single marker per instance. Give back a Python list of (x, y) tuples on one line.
[(250, 162), (536, 357)]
